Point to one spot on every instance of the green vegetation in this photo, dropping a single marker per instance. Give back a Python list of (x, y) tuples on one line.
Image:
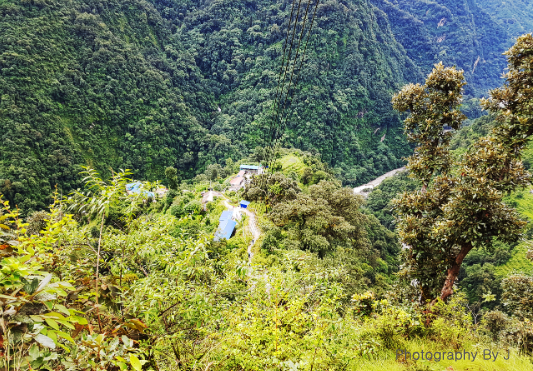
[(516, 16), (314, 276), (167, 297), (149, 84), (456, 32)]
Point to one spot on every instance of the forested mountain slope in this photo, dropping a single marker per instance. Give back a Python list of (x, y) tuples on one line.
[(146, 84), (89, 82), (516, 16), (456, 32), (135, 85), (342, 104)]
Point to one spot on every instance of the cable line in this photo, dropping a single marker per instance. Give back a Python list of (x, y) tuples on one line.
[(281, 125), (277, 127), (281, 67), (288, 64), (279, 95)]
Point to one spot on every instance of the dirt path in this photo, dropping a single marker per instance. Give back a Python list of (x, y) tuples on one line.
[(376, 182)]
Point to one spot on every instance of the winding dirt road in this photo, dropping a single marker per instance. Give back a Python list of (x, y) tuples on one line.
[(376, 182)]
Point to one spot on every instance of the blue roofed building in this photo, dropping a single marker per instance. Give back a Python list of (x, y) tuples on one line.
[(135, 188), (226, 215), (225, 230), (244, 204), (226, 225)]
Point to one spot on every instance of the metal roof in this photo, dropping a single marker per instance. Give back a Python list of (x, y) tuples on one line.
[(250, 167), (225, 230), (226, 215), (243, 202), (136, 188)]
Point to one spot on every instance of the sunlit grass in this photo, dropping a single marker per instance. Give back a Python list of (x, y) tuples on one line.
[(292, 163)]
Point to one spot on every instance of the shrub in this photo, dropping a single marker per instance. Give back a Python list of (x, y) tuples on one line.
[(494, 322), (518, 295)]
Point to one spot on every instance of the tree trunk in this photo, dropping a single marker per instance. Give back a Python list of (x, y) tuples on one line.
[(453, 272)]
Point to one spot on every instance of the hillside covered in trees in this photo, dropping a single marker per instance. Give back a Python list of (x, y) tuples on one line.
[(150, 84), (146, 223)]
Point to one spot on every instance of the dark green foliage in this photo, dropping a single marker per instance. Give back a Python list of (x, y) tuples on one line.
[(172, 177), (379, 200), (153, 84), (455, 32), (271, 189), (341, 107), (327, 217), (479, 280), (85, 81), (385, 243)]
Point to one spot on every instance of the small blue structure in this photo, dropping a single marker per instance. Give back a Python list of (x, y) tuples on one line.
[(244, 204), (136, 188), (226, 226)]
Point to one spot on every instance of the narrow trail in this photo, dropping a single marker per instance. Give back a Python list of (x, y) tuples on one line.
[(376, 182), (252, 219)]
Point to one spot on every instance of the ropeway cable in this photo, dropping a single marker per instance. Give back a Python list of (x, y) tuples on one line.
[(281, 124)]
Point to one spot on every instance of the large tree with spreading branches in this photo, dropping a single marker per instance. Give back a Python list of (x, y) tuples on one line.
[(460, 206)]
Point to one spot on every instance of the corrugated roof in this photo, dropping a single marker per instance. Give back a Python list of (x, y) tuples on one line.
[(250, 167), (136, 188), (243, 202), (225, 230), (236, 181)]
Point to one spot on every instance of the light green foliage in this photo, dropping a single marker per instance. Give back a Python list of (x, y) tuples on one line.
[(517, 263), (172, 299), (34, 323)]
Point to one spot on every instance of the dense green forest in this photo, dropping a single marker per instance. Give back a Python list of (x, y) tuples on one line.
[(516, 16), (431, 266), (456, 32), (149, 84)]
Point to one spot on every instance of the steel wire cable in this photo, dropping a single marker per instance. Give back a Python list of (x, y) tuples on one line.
[(275, 122), (279, 95), (282, 66), (277, 137)]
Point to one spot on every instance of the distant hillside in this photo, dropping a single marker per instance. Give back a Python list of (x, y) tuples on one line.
[(456, 32), (516, 16), (146, 84)]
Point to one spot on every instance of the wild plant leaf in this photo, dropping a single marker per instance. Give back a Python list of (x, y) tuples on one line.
[(45, 341), (31, 286)]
